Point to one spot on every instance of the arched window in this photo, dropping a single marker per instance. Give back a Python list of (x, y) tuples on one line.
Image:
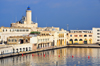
[(26, 40), (15, 40), (85, 35), (71, 39), (9, 40), (12, 40), (75, 40), (80, 40)]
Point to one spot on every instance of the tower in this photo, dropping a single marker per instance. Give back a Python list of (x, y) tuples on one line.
[(28, 15)]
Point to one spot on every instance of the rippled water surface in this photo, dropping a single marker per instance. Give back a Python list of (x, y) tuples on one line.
[(58, 57)]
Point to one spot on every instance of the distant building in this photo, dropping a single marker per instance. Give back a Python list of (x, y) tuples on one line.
[(18, 40), (96, 35), (13, 31), (43, 40), (48, 28), (26, 21), (60, 38), (5, 49), (80, 37)]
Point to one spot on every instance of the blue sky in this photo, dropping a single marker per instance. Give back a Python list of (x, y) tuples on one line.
[(78, 14)]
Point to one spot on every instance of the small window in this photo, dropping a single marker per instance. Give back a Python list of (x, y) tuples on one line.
[(9, 40), (98, 33), (12, 40), (90, 35), (75, 40), (15, 40), (20, 30), (85, 35), (17, 30), (27, 30), (75, 35), (80, 40), (23, 30), (98, 30), (70, 35), (80, 35), (26, 40)]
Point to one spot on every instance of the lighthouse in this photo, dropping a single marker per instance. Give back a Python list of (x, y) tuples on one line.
[(28, 15)]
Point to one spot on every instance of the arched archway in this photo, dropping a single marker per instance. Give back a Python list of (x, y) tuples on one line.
[(85, 41), (17, 50), (23, 49), (21, 41), (26, 49), (29, 48), (90, 41), (61, 42), (13, 50), (75, 41), (71, 41), (80, 41)]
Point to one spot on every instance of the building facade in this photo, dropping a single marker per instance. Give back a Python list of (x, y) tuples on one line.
[(80, 37), (60, 38), (96, 35), (12, 31)]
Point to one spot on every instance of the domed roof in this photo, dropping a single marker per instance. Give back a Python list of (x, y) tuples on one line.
[(28, 8)]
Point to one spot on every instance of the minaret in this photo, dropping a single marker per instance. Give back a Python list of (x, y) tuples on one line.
[(28, 15)]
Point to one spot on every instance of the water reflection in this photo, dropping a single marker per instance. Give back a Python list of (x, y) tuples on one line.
[(64, 57)]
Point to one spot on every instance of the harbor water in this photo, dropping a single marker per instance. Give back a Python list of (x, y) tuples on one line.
[(57, 57)]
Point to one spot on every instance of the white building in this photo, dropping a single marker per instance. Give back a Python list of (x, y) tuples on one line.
[(4, 49), (41, 41), (80, 31), (60, 38), (96, 35), (13, 31)]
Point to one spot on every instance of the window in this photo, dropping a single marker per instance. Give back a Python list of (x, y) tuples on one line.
[(17, 30), (23, 30), (70, 35), (20, 30), (98, 40), (98, 30), (3, 30), (98, 36), (98, 33), (26, 40), (75, 35), (90, 35), (71, 39), (85, 35), (6, 29), (80, 40), (75, 40), (80, 35), (15, 40), (12, 40), (9, 40), (27, 30)]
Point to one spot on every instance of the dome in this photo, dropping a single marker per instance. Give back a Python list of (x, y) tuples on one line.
[(28, 8)]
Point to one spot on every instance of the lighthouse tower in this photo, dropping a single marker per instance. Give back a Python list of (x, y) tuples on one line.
[(26, 21), (28, 16)]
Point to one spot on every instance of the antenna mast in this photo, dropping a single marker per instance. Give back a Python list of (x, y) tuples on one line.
[(67, 27), (36, 19)]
